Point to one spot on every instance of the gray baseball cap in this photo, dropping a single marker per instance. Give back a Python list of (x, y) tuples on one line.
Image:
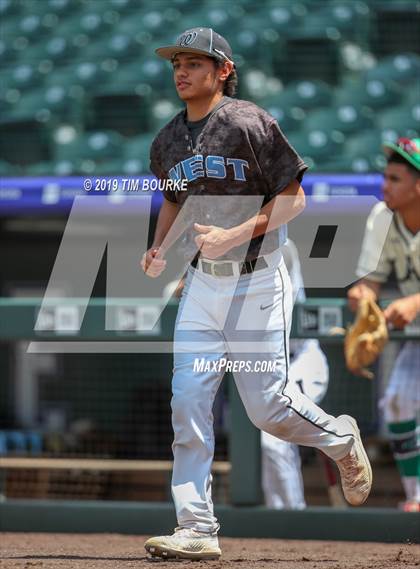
[(203, 41)]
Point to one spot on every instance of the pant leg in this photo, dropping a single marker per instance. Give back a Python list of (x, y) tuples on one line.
[(274, 404), (282, 481), (401, 405), (194, 390)]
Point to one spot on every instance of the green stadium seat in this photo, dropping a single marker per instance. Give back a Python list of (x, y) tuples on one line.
[(109, 168), (162, 111), (289, 119), (138, 146), (317, 145), (306, 95), (343, 118), (255, 85), (283, 16), (30, 25), (123, 6), (59, 48), (96, 146), (40, 169), (400, 121), (8, 8), (134, 166), (351, 19), (62, 7), (7, 169), (25, 76), (372, 93), (364, 152), (118, 46), (402, 68)]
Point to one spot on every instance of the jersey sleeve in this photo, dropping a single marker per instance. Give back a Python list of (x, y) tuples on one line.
[(374, 262), (156, 168), (279, 161)]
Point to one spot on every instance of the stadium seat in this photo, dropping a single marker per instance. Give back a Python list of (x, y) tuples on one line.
[(402, 68), (96, 146), (162, 111), (109, 168), (372, 93), (138, 146), (25, 76), (40, 169), (317, 145), (351, 19), (283, 17), (343, 118), (59, 48), (400, 121), (364, 152), (7, 169), (62, 7), (8, 8), (289, 119), (30, 25), (256, 84), (306, 95)]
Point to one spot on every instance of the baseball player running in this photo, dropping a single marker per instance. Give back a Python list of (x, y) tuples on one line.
[(400, 254), (237, 299), (281, 465)]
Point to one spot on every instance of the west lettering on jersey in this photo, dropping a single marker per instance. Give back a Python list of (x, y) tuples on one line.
[(196, 167)]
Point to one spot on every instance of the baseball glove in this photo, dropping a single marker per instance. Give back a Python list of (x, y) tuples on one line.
[(366, 338)]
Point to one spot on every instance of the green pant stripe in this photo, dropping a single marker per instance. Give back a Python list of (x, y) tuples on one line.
[(409, 466), (403, 427)]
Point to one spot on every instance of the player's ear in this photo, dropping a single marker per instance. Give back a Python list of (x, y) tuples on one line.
[(225, 70)]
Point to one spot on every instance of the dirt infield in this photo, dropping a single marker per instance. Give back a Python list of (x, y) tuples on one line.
[(103, 551)]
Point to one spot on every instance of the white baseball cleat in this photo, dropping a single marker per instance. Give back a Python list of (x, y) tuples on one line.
[(185, 543), (355, 469)]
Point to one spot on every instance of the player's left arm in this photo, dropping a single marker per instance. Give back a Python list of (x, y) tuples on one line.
[(403, 310), (216, 241)]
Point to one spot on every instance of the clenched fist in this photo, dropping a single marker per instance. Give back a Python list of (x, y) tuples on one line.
[(152, 262)]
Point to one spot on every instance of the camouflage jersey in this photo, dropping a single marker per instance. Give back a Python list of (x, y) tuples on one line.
[(240, 153)]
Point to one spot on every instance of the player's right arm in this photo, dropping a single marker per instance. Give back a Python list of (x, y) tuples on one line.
[(365, 288), (373, 266), (152, 262)]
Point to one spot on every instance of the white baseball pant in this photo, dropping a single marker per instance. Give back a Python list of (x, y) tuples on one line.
[(243, 319)]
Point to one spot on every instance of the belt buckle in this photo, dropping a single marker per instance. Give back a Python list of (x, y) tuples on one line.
[(219, 268)]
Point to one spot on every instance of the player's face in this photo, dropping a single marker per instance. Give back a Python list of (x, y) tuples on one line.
[(401, 188), (196, 76)]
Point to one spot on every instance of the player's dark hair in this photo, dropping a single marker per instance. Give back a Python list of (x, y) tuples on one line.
[(398, 159), (231, 83)]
